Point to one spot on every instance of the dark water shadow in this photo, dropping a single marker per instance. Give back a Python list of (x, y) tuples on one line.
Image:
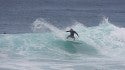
[(67, 46), (77, 47)]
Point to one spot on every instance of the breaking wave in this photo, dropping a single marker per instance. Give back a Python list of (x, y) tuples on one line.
[(48, 41)]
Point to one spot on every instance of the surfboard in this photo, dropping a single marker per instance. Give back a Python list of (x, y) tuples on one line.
[(74, 42)]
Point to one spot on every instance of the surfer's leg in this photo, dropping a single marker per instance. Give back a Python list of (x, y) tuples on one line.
[(74, 38), (67, 37)]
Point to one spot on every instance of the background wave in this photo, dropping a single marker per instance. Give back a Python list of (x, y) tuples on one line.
[(48, 41)]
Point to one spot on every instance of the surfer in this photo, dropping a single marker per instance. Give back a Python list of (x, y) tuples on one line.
[(72, 32)]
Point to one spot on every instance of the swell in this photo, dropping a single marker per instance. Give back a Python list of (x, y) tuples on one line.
[(105, 39), (43, 45)]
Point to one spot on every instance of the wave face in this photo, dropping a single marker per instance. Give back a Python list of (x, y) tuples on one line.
[(98, 48), (102, 40)]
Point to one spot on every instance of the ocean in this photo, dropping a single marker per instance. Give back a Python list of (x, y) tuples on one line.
[(36, 34)]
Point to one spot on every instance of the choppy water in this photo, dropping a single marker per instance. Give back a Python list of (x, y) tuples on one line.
[(98, 48), (16, 16)]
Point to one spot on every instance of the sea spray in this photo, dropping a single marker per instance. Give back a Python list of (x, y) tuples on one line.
[(105, 39), (42, 25)]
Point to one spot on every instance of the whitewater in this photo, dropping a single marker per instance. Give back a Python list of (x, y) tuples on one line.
[(99, 47)]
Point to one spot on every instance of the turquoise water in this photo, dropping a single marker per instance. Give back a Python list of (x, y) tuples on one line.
[(98, 48)]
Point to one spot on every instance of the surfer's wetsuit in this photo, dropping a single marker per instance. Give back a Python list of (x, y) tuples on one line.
[(72, 32)]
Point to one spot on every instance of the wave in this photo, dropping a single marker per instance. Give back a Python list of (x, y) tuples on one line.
[(48, 41)]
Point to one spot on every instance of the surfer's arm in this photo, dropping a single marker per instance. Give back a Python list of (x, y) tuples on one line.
[(77, 34), (67, 31)]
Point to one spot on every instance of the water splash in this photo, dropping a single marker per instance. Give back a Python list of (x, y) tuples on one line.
[(41, 25), (105, 39)]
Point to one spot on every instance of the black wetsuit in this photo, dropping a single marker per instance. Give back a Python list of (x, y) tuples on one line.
[(72, 34)]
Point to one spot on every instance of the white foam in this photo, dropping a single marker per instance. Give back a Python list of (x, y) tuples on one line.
[(105, 37), (41, 24)]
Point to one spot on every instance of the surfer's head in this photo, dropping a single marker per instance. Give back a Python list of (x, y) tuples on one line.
[(71, 29)]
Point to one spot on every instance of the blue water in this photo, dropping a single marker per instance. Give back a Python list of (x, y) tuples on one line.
[(17, 16), (35, 36)]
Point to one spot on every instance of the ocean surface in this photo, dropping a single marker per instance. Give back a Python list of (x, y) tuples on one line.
[(35, 36), (98, 48)]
